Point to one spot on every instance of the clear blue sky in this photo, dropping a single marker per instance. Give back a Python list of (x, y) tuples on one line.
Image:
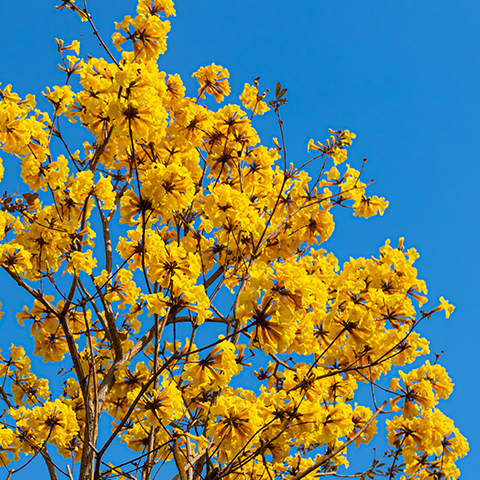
[(402, 74)]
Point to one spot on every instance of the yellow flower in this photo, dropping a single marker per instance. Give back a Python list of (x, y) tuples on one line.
[(153, 7), (149, 36), (157, 303), (81, 186), (60, 97), (444, 305), (360, 417), (75, 46), (54, 421), (104, 191), (234, 421), (8, 443), (213, 80), (369, 206), (175, 88), (333, 174), (252, 100), (161, 406), (56, 173), (339, 155), (216, 369), (81, 262), (6, 437), (346, 137), (28, 390)]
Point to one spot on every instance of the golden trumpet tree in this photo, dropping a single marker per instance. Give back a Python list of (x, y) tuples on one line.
[(173, 265)]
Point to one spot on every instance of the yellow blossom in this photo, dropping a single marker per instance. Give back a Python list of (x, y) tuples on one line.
[(213, 80)]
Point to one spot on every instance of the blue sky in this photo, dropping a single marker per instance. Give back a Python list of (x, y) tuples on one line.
[(403, 75)]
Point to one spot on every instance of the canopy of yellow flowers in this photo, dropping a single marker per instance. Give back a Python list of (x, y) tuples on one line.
[(202, 227)]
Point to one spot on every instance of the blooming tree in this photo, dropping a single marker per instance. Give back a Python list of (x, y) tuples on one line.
[(174, 272)]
